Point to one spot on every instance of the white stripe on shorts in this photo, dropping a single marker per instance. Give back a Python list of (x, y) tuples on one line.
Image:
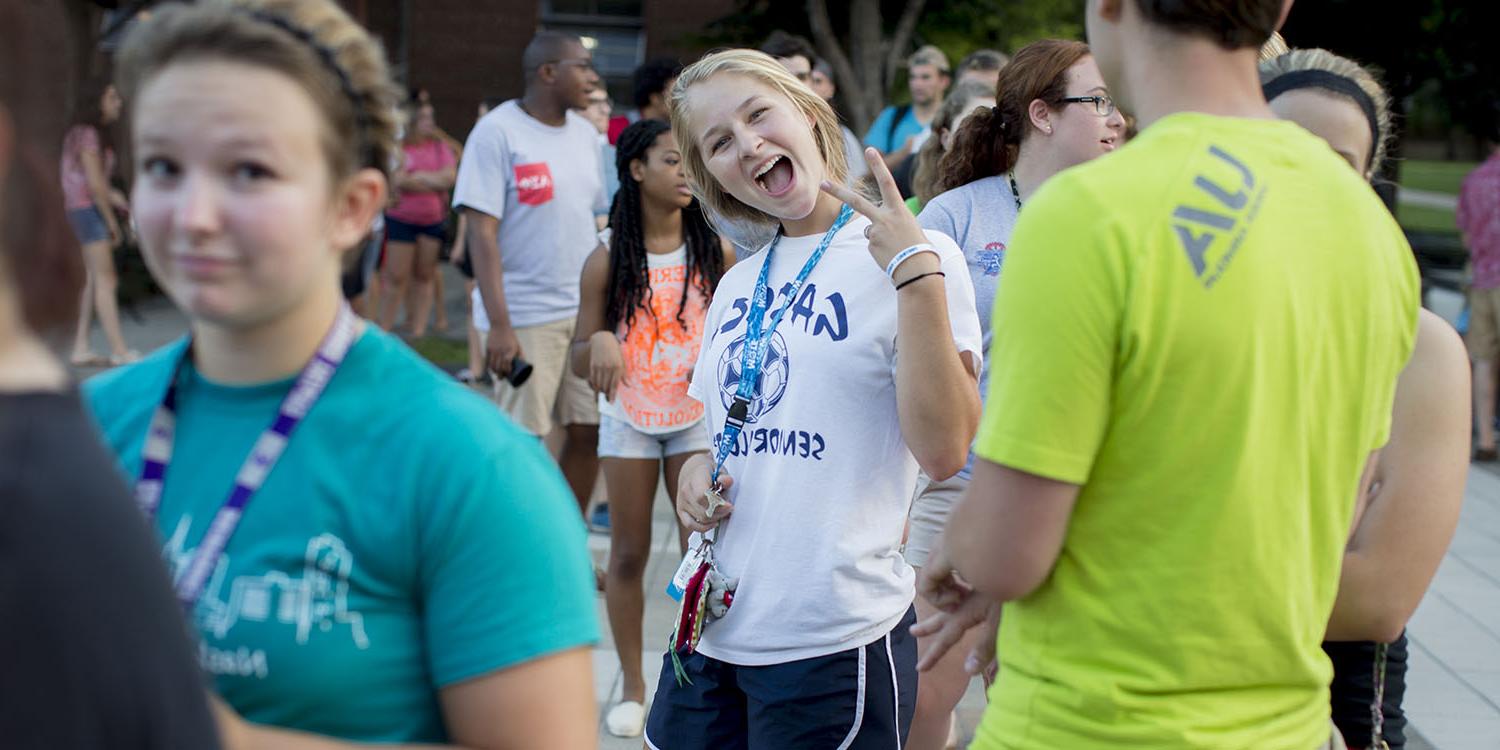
[(859, 705), (895, 689)]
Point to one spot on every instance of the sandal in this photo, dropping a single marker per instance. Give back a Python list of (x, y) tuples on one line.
[(88, 359), (130, 356), (1486, 455)]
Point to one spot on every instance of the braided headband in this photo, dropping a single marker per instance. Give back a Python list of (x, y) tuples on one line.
[(330, 61), (1322, 79)]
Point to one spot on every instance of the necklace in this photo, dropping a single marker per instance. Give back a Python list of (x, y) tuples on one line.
[(1015, 192)]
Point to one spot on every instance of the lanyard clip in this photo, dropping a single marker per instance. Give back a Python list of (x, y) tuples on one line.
[(738, 411)]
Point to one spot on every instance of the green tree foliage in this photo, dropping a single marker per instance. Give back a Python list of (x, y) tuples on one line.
[(1442, 46), (958, 27), (962, 26)]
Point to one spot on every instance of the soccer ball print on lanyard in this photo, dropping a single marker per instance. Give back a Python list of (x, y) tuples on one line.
[(704, 592)]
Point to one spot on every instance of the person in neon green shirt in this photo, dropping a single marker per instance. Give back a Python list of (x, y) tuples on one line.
[(1190, 377)]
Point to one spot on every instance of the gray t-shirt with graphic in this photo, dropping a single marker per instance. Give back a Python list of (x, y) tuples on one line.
[(979, 216)]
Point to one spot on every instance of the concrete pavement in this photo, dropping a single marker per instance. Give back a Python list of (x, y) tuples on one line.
[(1428, 199)]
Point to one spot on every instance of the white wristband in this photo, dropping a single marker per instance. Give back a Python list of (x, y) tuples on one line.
[(905, 255)]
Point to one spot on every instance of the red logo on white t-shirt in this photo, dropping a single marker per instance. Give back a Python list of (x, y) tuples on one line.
[(533, 183)]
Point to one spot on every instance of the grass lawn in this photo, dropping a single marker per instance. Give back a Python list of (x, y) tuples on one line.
[(1425, 219), (1436, 176), (444, 352)]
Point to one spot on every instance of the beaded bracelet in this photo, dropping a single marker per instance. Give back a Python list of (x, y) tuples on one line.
[(919, 277), (904, 255)]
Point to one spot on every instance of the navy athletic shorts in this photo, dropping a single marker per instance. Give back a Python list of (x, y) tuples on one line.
[(860, 699), (397, 230)]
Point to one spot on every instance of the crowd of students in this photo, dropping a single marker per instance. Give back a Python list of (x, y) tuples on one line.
[(1159, 443)]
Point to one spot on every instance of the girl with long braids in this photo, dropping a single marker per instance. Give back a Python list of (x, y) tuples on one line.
[(345, 587), (1417, 487), (835, 362), (645, 292), (1053, 112)]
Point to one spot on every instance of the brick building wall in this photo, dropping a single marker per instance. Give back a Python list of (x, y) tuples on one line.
[(672, 26), (465, 50)]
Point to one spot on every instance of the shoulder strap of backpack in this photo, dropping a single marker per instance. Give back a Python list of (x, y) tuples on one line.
[(896, 118)]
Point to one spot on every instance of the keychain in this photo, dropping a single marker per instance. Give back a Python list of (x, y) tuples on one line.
[(704, 592)]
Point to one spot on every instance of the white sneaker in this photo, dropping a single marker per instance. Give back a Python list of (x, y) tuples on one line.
[(627, 719)]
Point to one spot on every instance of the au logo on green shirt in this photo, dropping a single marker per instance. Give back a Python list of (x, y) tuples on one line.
[(1236, 209)]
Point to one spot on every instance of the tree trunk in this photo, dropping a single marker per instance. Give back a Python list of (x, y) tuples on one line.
[(849, 84), (896, 54), (867, 47), (864, 74)]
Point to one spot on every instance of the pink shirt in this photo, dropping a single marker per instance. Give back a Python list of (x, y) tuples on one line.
[(426, 207), (81, 139), (1479, 220)]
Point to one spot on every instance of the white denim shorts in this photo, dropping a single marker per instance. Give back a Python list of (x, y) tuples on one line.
[(620, 439)]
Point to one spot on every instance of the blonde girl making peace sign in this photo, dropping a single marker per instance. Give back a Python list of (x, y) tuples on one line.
[(835, 362)]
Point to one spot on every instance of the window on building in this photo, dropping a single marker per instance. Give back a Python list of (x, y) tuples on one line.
[(613, 30)]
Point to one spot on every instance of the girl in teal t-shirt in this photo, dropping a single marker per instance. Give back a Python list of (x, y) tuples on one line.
[(369, 552)]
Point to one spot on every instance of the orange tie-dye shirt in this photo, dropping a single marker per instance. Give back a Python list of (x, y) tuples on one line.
[(659, 351)]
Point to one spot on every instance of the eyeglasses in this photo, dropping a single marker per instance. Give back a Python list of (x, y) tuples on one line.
[(1103, 105)]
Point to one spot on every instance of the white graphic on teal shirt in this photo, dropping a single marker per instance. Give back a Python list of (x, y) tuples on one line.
[(318, 598)]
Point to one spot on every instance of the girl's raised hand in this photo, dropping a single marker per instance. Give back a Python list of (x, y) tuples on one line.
[(892, 228)]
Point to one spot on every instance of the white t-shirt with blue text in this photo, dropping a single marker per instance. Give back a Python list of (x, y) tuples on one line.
[(822, 476)]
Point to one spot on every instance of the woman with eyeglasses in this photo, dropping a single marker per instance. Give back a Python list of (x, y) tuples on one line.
[(1053, 112)]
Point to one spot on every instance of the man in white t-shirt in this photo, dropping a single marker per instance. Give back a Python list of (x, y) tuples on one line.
[(530, 184)]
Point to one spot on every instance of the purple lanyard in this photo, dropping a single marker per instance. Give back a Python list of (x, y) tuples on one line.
[(156, 454)]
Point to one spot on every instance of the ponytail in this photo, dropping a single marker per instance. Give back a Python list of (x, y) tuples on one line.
[(985, 146), (990, 140)]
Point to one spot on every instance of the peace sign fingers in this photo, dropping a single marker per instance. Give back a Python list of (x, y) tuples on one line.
[(890, 195), (852, 197), (892, 228)]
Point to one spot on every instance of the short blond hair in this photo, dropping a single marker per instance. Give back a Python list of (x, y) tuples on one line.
[(313, 42), (1274, 47), (765, 69), (928, 54)]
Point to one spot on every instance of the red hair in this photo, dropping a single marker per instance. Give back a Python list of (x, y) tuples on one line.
[(990, 139)]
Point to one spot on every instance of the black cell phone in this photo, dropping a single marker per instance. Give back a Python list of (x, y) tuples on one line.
[(520, 370)]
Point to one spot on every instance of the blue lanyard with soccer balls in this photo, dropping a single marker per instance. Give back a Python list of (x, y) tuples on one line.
[(758, 340)]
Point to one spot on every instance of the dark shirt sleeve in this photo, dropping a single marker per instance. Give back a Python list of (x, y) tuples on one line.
[(95, 648)]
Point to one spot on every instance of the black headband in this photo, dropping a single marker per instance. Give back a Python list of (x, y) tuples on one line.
[(330, 61), (1322, 79)]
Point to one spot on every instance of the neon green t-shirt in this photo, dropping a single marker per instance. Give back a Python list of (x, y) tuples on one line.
[(1203, 330)]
